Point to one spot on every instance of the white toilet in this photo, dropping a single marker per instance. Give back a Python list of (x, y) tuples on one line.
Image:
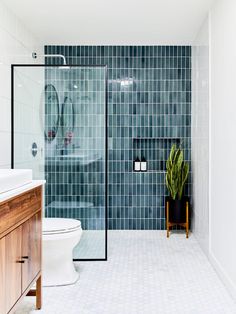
[(60, 236)]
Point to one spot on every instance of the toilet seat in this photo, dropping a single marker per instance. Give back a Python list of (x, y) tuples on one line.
[(53, 226)]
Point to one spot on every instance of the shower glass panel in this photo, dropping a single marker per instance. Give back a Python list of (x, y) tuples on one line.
[(59, 130)]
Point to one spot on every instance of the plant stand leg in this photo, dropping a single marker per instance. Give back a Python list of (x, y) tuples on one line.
[(167, 219), (187, 220)]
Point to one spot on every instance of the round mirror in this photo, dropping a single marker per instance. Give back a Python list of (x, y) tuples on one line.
[(68, 120), (51, 112)]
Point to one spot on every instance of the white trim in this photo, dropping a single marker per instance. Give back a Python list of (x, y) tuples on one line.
[(230, 286), (210, 125)]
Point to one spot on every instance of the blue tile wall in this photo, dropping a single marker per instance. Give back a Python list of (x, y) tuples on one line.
[(149, 109)]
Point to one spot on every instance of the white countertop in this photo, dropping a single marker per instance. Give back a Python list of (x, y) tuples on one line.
[(24, 188)]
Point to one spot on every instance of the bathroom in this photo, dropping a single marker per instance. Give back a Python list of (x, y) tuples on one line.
[(94, 100)]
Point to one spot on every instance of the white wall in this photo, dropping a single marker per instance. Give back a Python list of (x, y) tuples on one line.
[(16, 46), (200, 136), (223, 140), (214, 118)]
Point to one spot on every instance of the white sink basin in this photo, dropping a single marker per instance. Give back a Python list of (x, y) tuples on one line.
[(14, 178)]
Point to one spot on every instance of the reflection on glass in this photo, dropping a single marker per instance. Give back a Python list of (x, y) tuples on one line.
[(76, 160), (68, 121), (51, 112), (72, 145)]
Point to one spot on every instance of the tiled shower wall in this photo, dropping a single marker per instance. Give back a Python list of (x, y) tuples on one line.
[(149, 109)]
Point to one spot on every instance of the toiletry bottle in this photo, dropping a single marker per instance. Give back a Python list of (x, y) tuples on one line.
[(143, 164), (137, 164)]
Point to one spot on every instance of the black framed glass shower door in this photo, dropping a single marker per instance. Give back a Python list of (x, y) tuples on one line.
[(59, 129)]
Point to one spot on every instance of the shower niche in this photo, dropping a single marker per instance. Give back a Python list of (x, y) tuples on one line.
[(155, 150), (68, 124)]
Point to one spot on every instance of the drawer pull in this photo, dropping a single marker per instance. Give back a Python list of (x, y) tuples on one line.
[(25, 257), (21, 262)]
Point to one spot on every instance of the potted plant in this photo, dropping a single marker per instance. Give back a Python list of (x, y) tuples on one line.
[(176, 177)]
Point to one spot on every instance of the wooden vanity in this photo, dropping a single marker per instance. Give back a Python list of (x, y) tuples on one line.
[(20, 247)]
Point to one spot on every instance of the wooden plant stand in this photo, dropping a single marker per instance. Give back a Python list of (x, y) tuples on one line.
[(182, 224)]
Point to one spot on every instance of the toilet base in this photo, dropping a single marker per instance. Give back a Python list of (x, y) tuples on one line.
[(49, 281), (58, 268)]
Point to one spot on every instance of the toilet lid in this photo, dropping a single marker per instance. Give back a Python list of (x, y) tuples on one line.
[(60, 225)]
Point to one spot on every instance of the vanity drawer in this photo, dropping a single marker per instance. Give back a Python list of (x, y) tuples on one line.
[(15, 211)]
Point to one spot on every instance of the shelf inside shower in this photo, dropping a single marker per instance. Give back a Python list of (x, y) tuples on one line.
[(155, 150), (156, 138), (151, 171)]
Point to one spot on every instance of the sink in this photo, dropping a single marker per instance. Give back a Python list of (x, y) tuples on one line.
[(14, 178)]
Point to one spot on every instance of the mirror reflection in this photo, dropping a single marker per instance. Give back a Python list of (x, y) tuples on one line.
[(51, 112), (68, 120)]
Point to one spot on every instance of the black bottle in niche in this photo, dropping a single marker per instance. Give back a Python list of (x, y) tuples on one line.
[(143, 164), (137, 164)]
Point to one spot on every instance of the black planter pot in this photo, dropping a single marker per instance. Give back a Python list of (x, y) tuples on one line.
[(177, 210)]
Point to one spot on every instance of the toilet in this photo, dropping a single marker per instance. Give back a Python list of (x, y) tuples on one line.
[(60, 236)]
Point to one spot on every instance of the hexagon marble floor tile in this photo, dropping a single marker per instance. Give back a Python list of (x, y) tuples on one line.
[(146, 273)]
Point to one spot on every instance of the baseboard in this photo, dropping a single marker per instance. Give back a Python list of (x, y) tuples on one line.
[(230, 286)]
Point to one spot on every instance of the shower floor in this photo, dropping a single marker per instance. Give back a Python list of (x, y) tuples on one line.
[(91, 245), (146, 273)]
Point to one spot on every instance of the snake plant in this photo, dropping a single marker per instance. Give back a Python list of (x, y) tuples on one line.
[(177, 172)]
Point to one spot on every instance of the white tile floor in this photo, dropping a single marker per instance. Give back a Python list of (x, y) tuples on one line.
[(146, 274), (91, 245)]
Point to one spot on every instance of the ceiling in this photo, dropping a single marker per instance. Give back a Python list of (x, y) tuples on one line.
[(112, 22)]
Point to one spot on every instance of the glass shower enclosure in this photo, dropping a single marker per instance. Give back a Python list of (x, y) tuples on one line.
[(59, 130)]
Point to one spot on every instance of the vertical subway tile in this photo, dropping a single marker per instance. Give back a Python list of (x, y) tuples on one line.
[(149, 108)]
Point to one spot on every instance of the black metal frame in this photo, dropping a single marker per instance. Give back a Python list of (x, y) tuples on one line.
[(13, 66)]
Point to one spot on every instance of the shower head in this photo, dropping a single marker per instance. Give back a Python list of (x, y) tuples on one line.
[(62, 67)]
